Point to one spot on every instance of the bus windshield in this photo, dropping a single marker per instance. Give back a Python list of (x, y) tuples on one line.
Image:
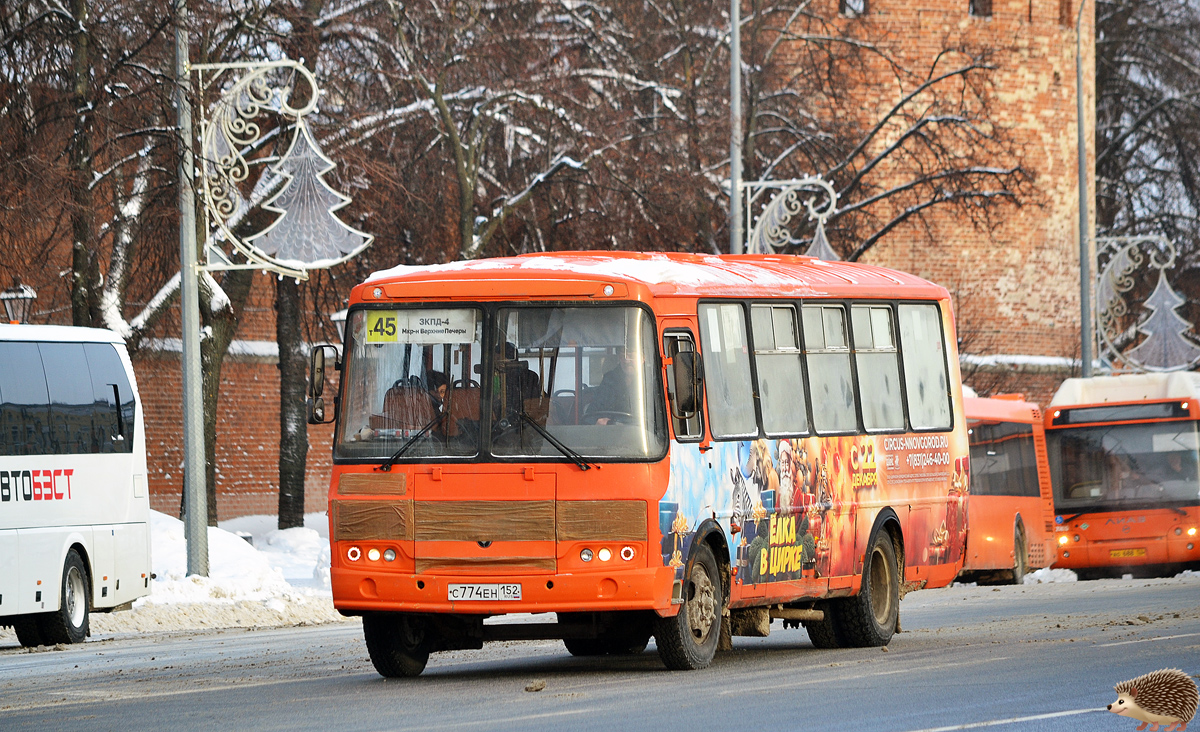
[(1122, 466), (584, 377), (564, 382), (411, 379)]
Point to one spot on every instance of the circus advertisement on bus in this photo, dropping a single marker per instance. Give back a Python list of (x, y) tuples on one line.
[(790, 507)]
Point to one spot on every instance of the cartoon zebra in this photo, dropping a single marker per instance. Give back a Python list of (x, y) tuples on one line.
[(743, 502)]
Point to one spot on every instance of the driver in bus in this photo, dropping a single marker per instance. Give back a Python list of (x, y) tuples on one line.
[(612, 397)]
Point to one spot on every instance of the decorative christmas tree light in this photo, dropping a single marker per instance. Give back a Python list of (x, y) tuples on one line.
[(307, 233), (1165, 348)]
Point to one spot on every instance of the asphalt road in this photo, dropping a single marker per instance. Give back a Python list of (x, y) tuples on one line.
[(1036, 657)]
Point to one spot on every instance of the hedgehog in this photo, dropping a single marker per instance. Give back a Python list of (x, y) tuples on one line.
[(1167, 697)]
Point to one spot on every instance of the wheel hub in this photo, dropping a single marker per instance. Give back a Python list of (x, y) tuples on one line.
[(701, 606), (881, 595), (75, 598)]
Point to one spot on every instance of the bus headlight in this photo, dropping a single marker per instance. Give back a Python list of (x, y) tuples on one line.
[(586, 555), (627, 553), (1063, 540), (1077, 537), (604, 554), (389, 555), (1192, 531), (354, 554), (373, 554)]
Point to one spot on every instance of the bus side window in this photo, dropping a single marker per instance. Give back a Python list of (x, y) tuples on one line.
[(1003, 461), (877, 366), (829, 382), (113, 419), (71, 398), (688, 423), (780, 377), (924, 358), (24, 403), (727, 371)]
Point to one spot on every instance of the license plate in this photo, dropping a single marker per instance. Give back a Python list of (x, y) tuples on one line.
[(484, 593), (1122, 553)]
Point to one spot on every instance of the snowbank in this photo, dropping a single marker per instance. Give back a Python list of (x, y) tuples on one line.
[(1046, 575), (281, 582)]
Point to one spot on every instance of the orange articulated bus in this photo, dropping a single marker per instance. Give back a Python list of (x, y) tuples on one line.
[(1123, 459), (1010, 517), (670, 445)]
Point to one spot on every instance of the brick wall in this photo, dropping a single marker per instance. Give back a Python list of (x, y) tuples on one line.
[(1015, 287)]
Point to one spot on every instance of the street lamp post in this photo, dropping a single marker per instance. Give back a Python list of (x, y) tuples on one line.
[(1085, 270), (735, 127), (195, 495)]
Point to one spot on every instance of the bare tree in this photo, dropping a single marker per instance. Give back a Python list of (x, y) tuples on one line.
[(1148, 128), (931, 144)]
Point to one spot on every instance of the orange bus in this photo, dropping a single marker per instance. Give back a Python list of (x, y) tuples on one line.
[(1123, 460), (670, 445), (1010, 517)]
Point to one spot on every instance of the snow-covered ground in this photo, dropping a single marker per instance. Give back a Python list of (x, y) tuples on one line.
[(280, 579)]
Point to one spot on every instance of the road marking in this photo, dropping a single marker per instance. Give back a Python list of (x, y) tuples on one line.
[(1147, 640), (493, 721), (1010, 720), (72, 696), (849, 677)]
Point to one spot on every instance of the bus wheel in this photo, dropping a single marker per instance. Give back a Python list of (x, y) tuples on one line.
[(28, 633), (869, 618), (688, 641), (68, 624), (823, 634), (1021, 560), (397, 643)]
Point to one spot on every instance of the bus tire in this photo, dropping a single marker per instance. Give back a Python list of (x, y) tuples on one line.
[(824, 633), (1020, 557), (29, 634), (397, 643), (69, 623), (688, 641), (869, 618)]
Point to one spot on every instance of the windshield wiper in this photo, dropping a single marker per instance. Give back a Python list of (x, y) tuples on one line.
[(387, 464), (568, 452)]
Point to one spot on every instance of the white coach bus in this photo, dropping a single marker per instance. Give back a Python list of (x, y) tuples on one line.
[(74, 506)]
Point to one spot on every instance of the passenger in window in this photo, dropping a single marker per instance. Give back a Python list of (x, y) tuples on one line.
[(611, 401), (437, 384)]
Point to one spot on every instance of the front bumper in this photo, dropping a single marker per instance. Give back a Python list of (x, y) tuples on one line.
[(634, 589)]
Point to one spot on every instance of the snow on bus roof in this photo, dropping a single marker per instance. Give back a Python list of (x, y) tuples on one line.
[(63, 333), (675, 272), (1128, 388)]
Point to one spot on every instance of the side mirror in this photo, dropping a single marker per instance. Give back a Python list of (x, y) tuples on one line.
[(316, 383), (686, 370)]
